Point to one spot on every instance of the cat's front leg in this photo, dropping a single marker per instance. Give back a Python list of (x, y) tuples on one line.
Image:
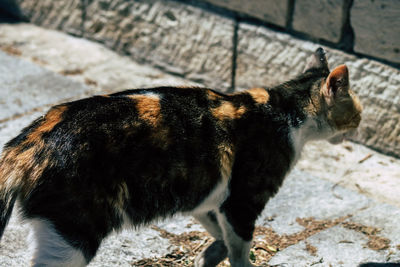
[(217, 251), (238, 246), (212, 255)]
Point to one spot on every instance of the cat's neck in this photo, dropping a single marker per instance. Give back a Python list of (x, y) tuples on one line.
[(290, 107), (299, 136)]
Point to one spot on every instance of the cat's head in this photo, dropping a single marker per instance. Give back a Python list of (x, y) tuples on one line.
[(333, 101)]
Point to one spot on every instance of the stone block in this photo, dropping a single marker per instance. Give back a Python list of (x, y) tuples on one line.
[(376, 26), (320, 19), (64, 15), (267, 58), (177, 38), (271, 11)]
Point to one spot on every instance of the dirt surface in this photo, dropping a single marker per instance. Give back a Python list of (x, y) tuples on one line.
[(267, 243)]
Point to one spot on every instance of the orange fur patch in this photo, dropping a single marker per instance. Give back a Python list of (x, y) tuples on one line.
[(212, 95), (356, 101), (148, 108), (338, 72), (226, 158), (18, 168), (19, 171), (228, 111), (259, 95), (51, 119), (122, 196)]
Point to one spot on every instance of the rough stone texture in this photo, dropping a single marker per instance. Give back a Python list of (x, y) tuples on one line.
[(266, 58), (320, 19), (268, 10), (65, 15), (179, 39), (376, 26)]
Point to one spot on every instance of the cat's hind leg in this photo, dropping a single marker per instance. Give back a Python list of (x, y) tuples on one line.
[(217, 251), (50, 249)]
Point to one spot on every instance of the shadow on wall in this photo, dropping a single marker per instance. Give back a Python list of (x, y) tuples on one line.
[(10, 12)]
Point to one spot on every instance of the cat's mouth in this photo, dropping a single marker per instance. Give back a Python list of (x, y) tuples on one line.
[(339, 138)]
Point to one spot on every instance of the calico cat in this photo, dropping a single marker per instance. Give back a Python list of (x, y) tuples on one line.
[(92, 166)]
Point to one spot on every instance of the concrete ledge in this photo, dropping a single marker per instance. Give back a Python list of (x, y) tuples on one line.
[(176, 38)]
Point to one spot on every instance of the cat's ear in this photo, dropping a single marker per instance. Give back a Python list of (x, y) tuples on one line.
[(337, 83), (317, 60)]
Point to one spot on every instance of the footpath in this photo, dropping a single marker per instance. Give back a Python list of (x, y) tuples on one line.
[(339, 207)]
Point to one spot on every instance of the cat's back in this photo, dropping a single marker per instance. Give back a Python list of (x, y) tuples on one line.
[(121, 113), (162, 132)]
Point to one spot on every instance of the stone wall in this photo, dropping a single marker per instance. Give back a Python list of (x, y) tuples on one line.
[(367, 27), (174, 37), (220, 49)]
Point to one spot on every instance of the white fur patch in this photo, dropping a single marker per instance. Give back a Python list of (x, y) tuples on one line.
[(50, 249), (298, 141), (214, 199), (307, 131), (152, 95), (238, 249), (211, 226)]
